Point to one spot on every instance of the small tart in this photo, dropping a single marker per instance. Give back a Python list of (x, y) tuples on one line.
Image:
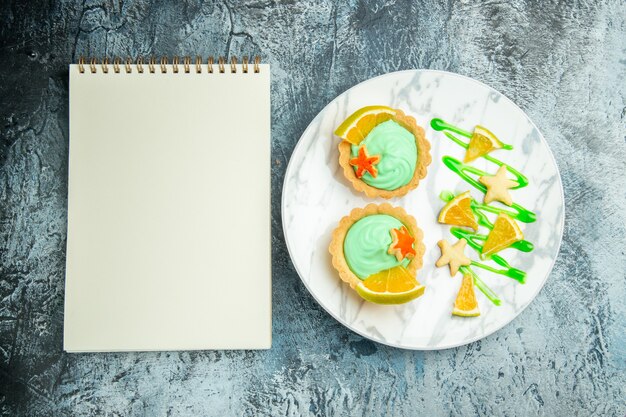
[(423, 160), (336, 247)]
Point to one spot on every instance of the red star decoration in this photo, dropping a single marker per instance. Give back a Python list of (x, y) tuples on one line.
[(402, 244), (363, 162)]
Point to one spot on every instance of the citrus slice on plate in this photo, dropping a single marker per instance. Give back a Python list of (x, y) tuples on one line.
[(391, 286), (465, 304), (458, 212), (505, 232), (481, 143), (356, 127)]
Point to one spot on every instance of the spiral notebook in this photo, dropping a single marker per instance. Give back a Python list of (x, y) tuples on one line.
[(168, 241)]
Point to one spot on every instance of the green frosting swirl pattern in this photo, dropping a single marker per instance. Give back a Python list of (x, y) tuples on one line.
[(398, 155), (366, 244)]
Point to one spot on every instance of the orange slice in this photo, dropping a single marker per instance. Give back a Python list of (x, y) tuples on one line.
[(391, 286), (481, 143), (465, 304), (505, 232), (458, 212), (360, 123)]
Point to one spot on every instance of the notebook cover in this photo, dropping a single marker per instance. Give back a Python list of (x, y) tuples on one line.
[(168, 242)]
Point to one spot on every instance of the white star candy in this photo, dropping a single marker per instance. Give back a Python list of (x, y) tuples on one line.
[(453, 255), (498, 187)]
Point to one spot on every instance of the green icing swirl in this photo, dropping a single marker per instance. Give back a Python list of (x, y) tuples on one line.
[(398, 155), (474, 239), (366, 244)]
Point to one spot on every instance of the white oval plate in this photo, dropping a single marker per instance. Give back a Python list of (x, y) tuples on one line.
[(316, 196)]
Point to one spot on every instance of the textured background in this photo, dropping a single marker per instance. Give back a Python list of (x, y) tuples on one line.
[(565, 64)]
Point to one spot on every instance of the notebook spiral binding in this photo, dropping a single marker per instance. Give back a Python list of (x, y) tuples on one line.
[(163, 64)]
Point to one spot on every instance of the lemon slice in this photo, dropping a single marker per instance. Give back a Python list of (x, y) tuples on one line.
[(465, 304), (481, 143), (505, 232), (360, 123), (391, 286), (458, 212)]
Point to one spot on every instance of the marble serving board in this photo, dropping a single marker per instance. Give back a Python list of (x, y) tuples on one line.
[(316, 196)]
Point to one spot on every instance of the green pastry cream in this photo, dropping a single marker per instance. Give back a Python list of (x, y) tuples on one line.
[(366, 244), (398, 155)]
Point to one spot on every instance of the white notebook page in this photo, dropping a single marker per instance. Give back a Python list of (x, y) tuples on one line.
[(168, 242)]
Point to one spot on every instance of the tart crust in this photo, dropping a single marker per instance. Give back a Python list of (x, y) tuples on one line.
[(423, 160), (339, 235)]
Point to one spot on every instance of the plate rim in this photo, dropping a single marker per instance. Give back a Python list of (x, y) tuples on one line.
[(451, 345)]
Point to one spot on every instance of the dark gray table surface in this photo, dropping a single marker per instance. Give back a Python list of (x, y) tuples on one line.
[(563, 63)]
